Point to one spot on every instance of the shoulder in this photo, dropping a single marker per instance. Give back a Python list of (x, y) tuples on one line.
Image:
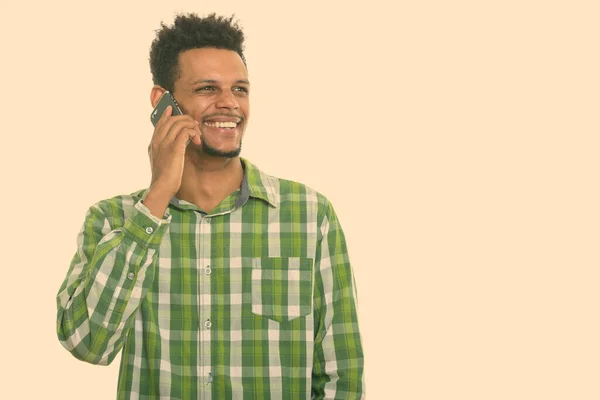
[(298, 195), (291, 190)]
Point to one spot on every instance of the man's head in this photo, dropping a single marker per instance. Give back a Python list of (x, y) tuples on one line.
[(201, 61)]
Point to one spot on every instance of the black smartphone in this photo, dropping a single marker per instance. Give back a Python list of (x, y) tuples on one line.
[(165, 100)]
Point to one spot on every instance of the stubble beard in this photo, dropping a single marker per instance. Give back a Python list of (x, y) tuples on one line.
[(214, 152), (211, 151)]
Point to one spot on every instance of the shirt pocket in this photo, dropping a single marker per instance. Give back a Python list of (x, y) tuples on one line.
[(282, 287)]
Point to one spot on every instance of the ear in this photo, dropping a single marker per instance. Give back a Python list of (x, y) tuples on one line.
[(155, 94)]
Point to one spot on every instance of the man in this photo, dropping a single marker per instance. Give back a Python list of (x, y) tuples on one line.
[(217, 281)]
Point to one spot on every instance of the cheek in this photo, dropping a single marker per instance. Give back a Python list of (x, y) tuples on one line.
[(200, 110), (245, 106)]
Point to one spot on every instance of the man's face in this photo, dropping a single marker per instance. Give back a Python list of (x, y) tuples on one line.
[(213, 88)]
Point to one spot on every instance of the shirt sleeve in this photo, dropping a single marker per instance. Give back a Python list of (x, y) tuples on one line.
[(338, 366), (108, 277)]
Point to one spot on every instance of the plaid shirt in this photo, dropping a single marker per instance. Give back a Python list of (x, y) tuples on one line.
[(255, 300)]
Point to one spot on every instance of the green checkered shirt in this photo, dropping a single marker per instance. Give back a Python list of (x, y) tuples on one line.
[(255, 300)]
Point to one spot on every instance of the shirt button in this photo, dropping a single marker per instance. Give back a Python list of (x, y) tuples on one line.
[(207, 270), (149, 230), (207, 324), (207, 220), (209, 378), (130, 275)]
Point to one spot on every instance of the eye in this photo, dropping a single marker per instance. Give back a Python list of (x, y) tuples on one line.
[(206, 89), (240, 89)]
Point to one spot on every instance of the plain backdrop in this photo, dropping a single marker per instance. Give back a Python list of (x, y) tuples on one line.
[(457, 140)]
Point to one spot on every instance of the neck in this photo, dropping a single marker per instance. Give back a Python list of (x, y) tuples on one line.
[(207, 181)]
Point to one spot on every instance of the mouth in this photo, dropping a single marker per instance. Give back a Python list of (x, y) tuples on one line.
[(221, 130), (221, 125), (226, 122)]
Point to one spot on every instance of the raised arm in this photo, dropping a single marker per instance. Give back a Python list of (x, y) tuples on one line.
[(108, 277)]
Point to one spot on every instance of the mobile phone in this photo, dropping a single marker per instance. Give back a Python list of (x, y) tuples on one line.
[(165, 100)]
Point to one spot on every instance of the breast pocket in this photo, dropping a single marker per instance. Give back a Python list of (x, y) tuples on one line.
[(282, 287)]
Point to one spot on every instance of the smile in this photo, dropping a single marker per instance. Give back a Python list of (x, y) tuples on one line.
[(221, 124)]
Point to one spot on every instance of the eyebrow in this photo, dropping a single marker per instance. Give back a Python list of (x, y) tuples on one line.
[(214, 81)]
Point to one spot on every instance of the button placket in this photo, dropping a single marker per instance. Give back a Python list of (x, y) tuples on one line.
[(207, 323), (204, 291)]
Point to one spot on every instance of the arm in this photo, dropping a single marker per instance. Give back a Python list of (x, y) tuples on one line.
[(108, 277), (338, 357)]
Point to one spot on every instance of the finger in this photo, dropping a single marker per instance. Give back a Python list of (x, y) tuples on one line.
[(158, 134), (164, 117), (196, 135), (193, 135), (184, 137), (166, 114), (169, 127), (177, 126)]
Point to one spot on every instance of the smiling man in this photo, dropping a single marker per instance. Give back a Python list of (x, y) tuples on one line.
[(217, 281)]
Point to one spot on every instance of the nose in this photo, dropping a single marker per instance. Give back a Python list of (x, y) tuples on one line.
[(226, 99)]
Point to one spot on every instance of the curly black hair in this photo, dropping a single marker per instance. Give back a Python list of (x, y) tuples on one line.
[(191, 32)]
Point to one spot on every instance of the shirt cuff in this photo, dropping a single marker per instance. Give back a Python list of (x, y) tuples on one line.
[(145, 228)]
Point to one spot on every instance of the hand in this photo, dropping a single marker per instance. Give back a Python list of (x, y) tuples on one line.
[(167, 148)]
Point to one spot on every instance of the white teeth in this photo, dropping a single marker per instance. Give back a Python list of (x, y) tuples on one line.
[(221, 124)]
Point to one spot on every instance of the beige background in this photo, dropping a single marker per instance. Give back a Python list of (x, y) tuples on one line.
[(457, 141)]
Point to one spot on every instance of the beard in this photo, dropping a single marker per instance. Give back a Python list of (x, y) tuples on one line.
[(211, 151)]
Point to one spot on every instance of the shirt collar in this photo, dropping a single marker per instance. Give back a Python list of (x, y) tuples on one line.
[(255, 183), (258, 184)]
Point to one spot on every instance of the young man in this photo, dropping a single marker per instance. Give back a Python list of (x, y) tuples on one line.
[(218, 281)]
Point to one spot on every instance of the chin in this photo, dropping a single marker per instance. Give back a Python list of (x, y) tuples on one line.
[(225, 153)]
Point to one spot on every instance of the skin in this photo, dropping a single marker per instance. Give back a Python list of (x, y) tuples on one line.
[(212, 84)]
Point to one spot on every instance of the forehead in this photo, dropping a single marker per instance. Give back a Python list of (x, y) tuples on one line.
[(209, 63)]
